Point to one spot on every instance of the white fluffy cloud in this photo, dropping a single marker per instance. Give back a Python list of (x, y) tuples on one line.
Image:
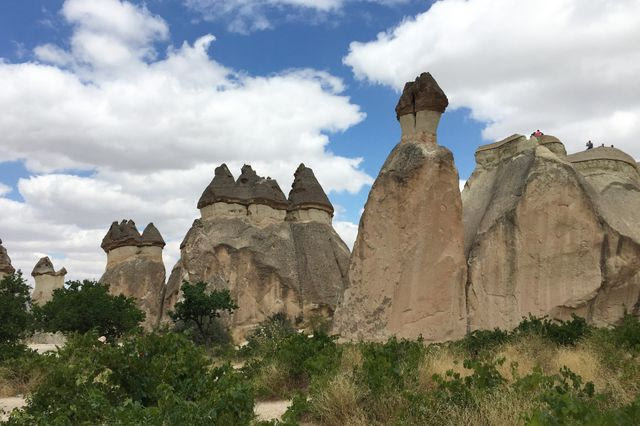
[(148, 129), (568, 67), (244, 16)]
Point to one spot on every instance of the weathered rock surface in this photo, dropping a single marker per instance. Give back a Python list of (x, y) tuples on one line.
[(251, 242), (407, 270), (5, 262), (47, 280), (550, 235), (135, 267)]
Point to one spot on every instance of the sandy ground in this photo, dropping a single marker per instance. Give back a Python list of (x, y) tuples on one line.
[(8, 404), (270, 410)]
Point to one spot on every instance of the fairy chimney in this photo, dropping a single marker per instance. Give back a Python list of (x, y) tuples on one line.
[(47, 280), (5, 262), (307, 200)]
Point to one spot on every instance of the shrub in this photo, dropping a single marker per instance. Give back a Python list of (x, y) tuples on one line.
[(481, 340), (387, 367), (267, 336), (15, 318), (627, 333), (201, 310), (565, 333), (150, 379), (85, 306)]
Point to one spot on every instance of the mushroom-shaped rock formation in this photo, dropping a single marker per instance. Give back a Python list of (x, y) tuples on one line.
[(135, 267), (419, 109), (151, 237), (123, 234), (251, 197), (5, 262), (407, 272), (269, 264), (541, 240), (307, 199), (47, 280), (553, 144), (221, 189)]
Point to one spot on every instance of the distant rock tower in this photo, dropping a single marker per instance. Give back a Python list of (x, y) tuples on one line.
[(135, 267), (5, 262), (47, 280), (274, 255), (407, 271)]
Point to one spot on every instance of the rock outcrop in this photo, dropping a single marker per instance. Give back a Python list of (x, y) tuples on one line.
[(549, 234), (135, 267), (47, 280), (5, 262), (273, 254), (407, 272)]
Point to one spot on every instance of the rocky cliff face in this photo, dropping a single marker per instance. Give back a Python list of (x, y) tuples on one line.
[(273, 254), (547, 234), (5, 262), (135, 267), (47, 280), (407, 270)]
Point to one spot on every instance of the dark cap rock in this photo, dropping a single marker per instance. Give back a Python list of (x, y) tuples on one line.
[(5, 261), (306, 191), (151, 236), (45, 267), (423, 94), (221, 188), (249, 188), (121, 234)]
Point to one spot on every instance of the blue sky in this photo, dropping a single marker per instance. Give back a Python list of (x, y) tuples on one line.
[(121, 109)]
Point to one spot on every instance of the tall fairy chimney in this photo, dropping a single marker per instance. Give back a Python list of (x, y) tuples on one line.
[(47, 280), (419, 109)]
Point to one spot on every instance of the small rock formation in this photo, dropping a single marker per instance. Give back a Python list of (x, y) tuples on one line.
[(47, 280), (273, 254), (550, 234), (135, 267), (407, 270), (5, 262)]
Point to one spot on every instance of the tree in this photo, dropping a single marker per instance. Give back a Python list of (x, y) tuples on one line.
[(15, 305), (202, 309), (87, 305)]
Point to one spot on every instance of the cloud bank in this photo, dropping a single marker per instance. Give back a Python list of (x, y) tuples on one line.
[(568, 67), (111, 128)]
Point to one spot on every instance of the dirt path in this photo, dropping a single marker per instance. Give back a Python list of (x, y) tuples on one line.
[(43, 347), (270, 410), (8, 404)]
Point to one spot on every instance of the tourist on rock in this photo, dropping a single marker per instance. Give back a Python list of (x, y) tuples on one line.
[(589, 145)]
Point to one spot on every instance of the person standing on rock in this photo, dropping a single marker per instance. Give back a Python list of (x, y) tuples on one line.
[(589, 145)]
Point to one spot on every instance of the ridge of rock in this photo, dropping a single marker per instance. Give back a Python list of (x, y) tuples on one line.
[(306, 191), (222, 188), (602, 153), (423, 94)]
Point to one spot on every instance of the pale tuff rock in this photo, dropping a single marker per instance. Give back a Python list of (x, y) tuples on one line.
[(135, 267), (553, 144), (47, 280), (541, 239), (407, 270), (250, 241), (5, 262)]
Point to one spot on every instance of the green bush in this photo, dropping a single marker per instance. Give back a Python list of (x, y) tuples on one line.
[(15, 318), (265, 338), (387, 367), (200, 310), (150, 379), (481, 340), (565, 333), (458, 390), (86, 306), (627, 333)]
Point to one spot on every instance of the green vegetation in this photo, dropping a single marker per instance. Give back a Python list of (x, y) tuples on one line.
[(15, 318), (198, 312), (86, 306), (544, 372)]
